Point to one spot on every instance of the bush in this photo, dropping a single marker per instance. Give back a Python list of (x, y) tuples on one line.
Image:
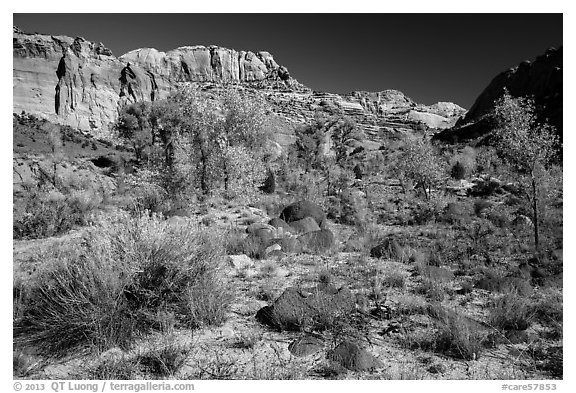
[(458, 337), (431, 289), (47, 214), (458, 171), (125, 278), (511, 311)]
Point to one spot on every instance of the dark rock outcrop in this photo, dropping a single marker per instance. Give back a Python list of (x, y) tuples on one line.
[(541, 79)]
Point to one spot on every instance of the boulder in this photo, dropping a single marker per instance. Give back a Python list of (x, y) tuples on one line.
[(257, 226), (351, 356), (305, 346), (280, 223), (302, 209), (305, 225), (270, 249), (318, 242), (240, 261), (289, 245), (297, 310)]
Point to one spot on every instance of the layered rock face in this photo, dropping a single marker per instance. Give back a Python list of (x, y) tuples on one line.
[(81, 83), (540, 79)]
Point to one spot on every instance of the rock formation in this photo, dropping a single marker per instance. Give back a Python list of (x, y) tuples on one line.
[(540, 79), (82, 84)]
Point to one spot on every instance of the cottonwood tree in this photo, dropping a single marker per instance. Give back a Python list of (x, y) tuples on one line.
[(420, 164), (530, 148)]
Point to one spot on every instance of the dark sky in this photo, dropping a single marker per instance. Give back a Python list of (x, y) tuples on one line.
[(429, 57)]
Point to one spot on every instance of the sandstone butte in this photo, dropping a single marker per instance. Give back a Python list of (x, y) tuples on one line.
[(82, 84)]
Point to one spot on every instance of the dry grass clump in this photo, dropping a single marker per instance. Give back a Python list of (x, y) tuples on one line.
[(126, 277), (454, 334), (547, 308), (511, 311)]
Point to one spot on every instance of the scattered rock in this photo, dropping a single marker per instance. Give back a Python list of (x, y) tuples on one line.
[(280, 223), (302, 209), (305, 225), (259, 226), (305, 346), (354, 358), (272, 248), (240, 261), (290, 245), (296, 310)]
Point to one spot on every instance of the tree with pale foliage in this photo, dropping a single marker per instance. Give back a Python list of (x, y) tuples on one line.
[(530, 147), (420, 164)]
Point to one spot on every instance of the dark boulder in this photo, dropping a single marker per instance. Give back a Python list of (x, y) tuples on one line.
[(280, 223), (302, 209), (296, 310), (351, 356), (305, 225)]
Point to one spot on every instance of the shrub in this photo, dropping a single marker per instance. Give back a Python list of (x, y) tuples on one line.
[(128, 274), (393, 280), (458, 337), (164, 360), (49, 214), (510, 311), (547, 306), (458, 171), (480, 205), (431, 289)]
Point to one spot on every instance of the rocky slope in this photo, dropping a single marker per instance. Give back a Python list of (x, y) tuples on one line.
[(82, 84), (541, 79)]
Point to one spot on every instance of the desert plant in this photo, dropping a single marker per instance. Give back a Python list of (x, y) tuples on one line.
[(530, 147), (122, 281), (458, 171), (164, 360), (420, 164), (510, 311)]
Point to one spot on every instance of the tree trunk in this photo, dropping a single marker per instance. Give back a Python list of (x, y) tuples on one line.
[(535, 214)]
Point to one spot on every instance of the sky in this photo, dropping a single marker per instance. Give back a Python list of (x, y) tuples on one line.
[(429, 57)]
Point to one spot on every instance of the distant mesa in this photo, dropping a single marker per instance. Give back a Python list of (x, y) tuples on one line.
[(540, 79)]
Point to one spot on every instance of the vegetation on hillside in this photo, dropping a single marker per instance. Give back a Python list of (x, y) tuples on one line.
[(418, 234)]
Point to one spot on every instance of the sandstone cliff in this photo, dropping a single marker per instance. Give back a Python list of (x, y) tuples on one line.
[(540, 79), (81, 83)]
